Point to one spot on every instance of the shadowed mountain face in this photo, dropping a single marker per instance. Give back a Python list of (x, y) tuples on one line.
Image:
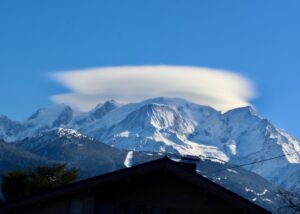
[(76, 149), (13, 157), (163, 125)]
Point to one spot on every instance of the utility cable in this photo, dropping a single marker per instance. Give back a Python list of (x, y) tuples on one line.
[(251, 163)]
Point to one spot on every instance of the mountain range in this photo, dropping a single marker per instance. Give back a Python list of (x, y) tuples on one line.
[(113, 135)]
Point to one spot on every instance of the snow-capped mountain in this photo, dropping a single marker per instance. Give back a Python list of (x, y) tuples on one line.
[(9, 129), (67, 145), (43, 119), (171, 125), (166, 125), (57, 115)]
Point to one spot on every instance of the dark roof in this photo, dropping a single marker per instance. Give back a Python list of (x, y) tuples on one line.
[(178, 168)]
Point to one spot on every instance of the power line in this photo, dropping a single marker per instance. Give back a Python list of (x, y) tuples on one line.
[(251, 163)]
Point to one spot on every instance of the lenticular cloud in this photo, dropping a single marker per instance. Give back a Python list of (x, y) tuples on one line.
[(220, 89)]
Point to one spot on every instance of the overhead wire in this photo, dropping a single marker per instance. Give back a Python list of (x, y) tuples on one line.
[(251, 163)]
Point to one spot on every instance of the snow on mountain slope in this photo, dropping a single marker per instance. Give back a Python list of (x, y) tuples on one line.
[(160, 128), (245, 183), (9, 129), (128, 160), (51, 116), (257, 139), (95, 114), (181, 105), (46, 118)]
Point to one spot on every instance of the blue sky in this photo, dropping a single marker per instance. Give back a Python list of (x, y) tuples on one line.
[(258, 39)]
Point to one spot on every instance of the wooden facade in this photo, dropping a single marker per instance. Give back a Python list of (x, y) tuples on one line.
[(160, 186)]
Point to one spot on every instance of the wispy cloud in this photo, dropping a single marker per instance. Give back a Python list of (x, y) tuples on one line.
[(220, 89)]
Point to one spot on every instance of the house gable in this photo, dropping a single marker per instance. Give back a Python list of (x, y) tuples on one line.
[(161, 186)]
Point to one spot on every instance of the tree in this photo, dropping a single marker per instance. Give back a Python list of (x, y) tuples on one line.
[(20, 184), (290, 203), (16, 185)]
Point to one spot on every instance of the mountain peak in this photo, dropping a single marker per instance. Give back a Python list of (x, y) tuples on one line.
[(179, 103), (51, 111), (101, 109), (111, 104), (4, 118), (155, 115), (166, 100), (52, 116), (249, 110), (62, 132), (152, 108)]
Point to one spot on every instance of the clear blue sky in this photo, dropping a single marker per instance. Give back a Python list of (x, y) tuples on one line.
[(260, 39)]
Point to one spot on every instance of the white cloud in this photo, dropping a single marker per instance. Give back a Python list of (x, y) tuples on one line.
[(220, 89)]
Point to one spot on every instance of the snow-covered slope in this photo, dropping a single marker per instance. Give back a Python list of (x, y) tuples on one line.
[(95, 114), (245, 183), (9, 129)]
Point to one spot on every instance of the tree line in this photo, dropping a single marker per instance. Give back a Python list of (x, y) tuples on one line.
[(19, 184)]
